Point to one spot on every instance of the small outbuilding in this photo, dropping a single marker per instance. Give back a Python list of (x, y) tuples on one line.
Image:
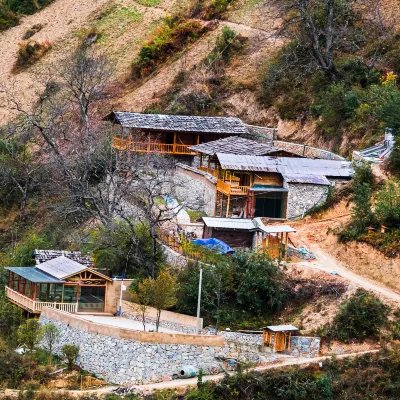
[(278, 336), (236, 232)]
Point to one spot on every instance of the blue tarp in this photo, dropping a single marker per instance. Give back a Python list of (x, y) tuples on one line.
[(214, 244)]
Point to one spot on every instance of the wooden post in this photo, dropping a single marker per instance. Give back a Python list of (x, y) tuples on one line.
[(148, 144), (228, 205), (201, 160), (286, 245), (174, 146), (198, 138)]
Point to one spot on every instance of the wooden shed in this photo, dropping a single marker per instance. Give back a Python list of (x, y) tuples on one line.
[(278, 336), (235, 232)]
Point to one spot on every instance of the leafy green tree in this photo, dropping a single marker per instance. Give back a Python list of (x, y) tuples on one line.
[(385, 101), (163, 293), (51, 335), (360, 317), (387, 207), (363, 215), (142, 298), (259, 283), (30, 334), (70, 353), (10, 319)]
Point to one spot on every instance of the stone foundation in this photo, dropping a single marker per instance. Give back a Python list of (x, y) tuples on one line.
[(303, 197)]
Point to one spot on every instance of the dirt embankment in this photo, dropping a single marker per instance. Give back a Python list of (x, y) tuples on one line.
[(359, 258)]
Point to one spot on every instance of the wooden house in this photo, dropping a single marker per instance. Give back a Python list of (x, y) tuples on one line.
[(170, 134), (61, 283), (259, 180)]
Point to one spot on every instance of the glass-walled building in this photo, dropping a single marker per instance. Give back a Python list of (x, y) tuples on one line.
[(60, 283)]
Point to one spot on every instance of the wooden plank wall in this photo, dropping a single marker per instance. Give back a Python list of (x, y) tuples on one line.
[(271, 178)]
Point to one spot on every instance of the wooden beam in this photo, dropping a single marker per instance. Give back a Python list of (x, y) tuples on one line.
[(228, 205)]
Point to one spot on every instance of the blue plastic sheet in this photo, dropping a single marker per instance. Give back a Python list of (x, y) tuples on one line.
[(214, 244)]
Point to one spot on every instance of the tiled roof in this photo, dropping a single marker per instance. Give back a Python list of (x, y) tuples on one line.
[(235, 145), (179, 123), (42, 256)]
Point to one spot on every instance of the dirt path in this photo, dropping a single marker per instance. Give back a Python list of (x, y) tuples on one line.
[(326, 263)]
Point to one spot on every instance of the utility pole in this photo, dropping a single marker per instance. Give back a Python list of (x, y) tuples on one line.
[(199, 302)]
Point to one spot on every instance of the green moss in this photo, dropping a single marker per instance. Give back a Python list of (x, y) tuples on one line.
[(149, 3), (195, 215)]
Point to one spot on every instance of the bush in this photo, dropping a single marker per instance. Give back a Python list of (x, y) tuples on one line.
[(71, 353), (31, 31), (359, 318), (243, 290), (388, 203), (169, 39), (29, 53), (8, 19), (27, 6)]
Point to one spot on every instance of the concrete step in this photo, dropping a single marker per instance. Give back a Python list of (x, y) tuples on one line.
[(100, 314)]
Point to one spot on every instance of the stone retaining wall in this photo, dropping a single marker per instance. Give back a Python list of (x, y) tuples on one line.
[(301, 346), (303, 197), (307, 151), (195, 187), (127, 357)]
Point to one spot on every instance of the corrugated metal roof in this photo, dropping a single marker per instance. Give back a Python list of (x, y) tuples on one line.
[(277, 229), (285, 165), (231, 223), (33, 274), (281, 328), (235, 145), (180, 123), (299, 178), (61, 267)]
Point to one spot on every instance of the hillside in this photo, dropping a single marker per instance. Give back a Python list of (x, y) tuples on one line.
[(125, 25)]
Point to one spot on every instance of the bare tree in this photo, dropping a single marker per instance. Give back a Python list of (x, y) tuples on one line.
[(317, 28), (67, 127)]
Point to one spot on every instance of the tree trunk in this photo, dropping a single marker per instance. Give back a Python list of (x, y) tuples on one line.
[(158, 319)]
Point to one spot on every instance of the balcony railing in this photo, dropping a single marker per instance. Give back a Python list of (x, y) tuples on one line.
[(37, 306), (210, 171), (232, 188), (151, 147)]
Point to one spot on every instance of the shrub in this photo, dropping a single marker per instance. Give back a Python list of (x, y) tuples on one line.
[(29, 53), (71, 353), (388, 203), (31, 31), (359, 318), (27, 6), (169, 39), (8, 18)]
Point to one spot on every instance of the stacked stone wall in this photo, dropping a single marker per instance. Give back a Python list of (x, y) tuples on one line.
[(111, 353), (195, 187), (303, 197), (307, 151)]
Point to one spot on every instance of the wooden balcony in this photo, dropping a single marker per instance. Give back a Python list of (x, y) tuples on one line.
[(36, 307), (152, 147), (232, 188), (210, 171)]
